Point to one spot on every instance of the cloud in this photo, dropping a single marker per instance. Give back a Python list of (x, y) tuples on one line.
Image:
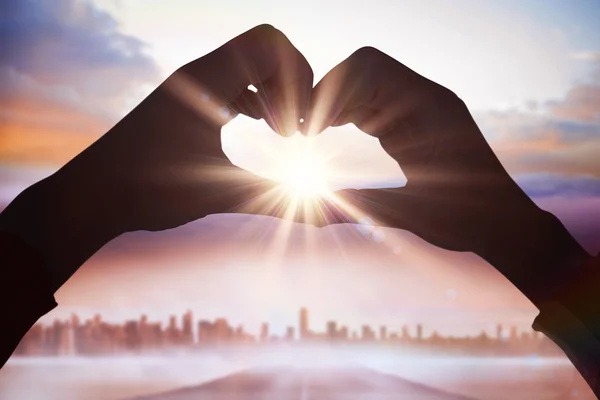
[(582, 103), (547, 185), (65, 67), (586, 55), (577, 214), (559, 136), (68, 41)]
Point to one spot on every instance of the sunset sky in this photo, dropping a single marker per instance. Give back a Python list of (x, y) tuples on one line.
[(528, 70)]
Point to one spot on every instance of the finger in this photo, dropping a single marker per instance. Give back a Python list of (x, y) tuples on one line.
[(234, 190), (342, 89), (396, 208), (369, 89), (409, 209), (285, 105), (265, 58), (249, 104), (274, 200)]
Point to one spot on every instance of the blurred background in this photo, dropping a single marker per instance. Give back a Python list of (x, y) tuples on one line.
[(152, 312)]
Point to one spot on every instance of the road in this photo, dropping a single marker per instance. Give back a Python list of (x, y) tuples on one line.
[(303, 384)]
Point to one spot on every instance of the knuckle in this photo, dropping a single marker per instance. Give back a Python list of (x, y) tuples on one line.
[(366, 53), (266, 31), (364, 59), (450, 97), (441, 93)]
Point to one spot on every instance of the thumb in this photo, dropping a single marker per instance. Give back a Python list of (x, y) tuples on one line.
[(394, 208), (269, 198)]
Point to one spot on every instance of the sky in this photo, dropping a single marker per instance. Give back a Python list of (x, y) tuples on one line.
[(529, 71)]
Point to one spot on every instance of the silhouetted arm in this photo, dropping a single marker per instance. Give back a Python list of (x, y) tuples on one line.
[(160, 167), (25, 293), (572, 320), (459, 197), (562, 280), (46, 234)]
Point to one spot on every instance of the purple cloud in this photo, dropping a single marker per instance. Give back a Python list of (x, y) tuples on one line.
[(69, 52)]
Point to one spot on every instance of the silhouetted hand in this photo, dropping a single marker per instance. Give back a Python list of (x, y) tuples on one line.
[(163, 165), (164, 161), (458, 195)]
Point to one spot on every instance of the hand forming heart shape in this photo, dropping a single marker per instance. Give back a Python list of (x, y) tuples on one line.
[(163, 165)]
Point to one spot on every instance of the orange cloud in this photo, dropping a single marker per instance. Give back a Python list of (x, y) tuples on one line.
[(20, 145)]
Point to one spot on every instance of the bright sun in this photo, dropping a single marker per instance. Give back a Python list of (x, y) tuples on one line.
[(303, 180), (302, 171)]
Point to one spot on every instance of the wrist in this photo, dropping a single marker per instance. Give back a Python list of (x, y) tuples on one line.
[(538, 255)]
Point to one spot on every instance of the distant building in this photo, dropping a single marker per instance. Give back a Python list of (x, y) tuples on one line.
[(205, 332), (383, 336), (343, 333), (419, 332), (303, 323), (405, 334), (289, 333), (264, 332), (223, 331), (367, 333), (187, 328), (331, 330)]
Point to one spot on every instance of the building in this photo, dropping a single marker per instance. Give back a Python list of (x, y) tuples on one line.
[(303, 323), (331, 330), (343, 333), (223, 331), (187, 328), (405, 334), (205, 332), (264, 332), (289, 333), (383, 336), (367, 333)]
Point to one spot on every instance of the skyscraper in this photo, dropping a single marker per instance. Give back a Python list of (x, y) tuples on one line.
[(331, 330), (264, 332), (419, 332), (367, 333), (304, 332), (205, 331), (405, 334), (343, 333), (188, 334), (222, 330), (383, 333), (289, 333)]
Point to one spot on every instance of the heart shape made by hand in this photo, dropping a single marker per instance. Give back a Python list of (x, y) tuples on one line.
[(339, 158)]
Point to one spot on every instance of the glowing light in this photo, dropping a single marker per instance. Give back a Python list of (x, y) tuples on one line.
[(302, 172)]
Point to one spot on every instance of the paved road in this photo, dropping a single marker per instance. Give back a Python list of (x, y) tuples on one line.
[(301, 384)]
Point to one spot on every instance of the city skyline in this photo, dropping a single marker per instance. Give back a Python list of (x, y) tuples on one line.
[(95, 336), (303, 328)]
